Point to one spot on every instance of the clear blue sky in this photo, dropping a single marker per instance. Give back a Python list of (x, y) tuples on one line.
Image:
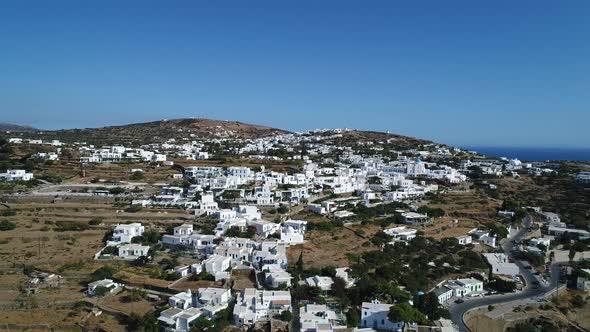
[(508, 73)]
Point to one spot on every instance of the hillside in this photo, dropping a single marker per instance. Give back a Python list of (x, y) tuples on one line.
[(159, 131), (13, 127), (352, 137)]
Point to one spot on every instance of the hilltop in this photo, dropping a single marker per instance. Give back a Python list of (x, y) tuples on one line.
[(13, 127), (158, 131)]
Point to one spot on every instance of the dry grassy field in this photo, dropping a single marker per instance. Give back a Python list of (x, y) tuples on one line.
[(330, 248), (38, 242)]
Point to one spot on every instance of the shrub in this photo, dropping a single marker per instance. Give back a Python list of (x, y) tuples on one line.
[(95, 221), (202, 276), (173, 276), (578, 301), (66, 226), (72, 266), (8, 213), (137, 176), (6, 225), (137, 294), (116, 191), (133, 208)]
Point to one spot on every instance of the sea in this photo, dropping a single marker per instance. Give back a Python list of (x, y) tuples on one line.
[(533, 154)]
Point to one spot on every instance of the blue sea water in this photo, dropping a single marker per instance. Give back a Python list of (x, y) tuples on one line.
[(534, 154)]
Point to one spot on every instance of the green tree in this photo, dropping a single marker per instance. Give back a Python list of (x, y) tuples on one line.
[(286, 316), (104, 272), (101, 291), (283, 209), (299, 264), (353, 317), (572, 253), (429, 305), (406, 313), (136, 295), (136, 176), (201, 324)]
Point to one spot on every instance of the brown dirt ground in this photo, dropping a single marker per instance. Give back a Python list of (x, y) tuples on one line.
[(330, 248)]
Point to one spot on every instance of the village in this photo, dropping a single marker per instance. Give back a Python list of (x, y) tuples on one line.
[(240, 252)]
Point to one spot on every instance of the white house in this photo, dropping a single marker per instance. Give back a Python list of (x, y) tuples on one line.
[(501, 265), (276, 278), (583, 178), (182, 300), (215, 264), (253, 305), (240, 172), (211, 299), (158, 157), (124, 233), (414, 218), (292, 231), (488, 240), (183, 230), (550, 217), (249, 212), (464, 287), (133, 250), (264, 228), (374, 315), (506, 214), (207, 205), (464, 239), (16, 175), (443, 294), (401, 234), (535, 242), (107, 284), (318, 318), (324, 283), (178, 320), (342, 273), (236, 254), (270, 252)]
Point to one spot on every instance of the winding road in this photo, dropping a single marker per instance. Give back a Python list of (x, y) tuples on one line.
[(531, 292)]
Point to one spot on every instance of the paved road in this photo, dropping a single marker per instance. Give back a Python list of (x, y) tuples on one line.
[(63, 189), (530, 291)]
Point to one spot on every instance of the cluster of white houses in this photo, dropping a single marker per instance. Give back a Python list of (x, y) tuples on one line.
[(16, 175), (373, 183), (221, 255), (118, 153)]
